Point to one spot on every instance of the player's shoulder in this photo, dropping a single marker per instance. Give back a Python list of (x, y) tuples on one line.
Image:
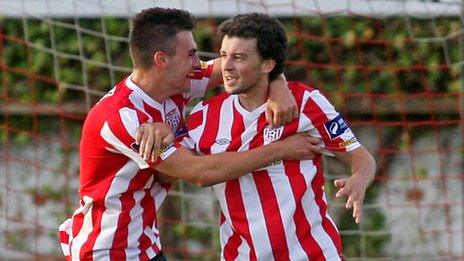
[(113, 101), (300, 89), (216, 100), (296, 86)]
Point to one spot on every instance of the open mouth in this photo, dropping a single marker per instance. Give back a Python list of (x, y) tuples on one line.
[(229, 79), (194, 72)]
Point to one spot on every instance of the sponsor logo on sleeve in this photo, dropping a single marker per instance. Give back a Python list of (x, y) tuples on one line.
[(166, 148), (336, 127), (167, 151), (347, 143)]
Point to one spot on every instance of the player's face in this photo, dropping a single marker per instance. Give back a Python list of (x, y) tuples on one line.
[(183, 62), (241, 64)]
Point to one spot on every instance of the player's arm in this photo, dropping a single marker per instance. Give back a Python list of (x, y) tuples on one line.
[(281, 106), (216, 168), (163, 178), (339, 140), (363, 170), (216, 76), (151, 137)]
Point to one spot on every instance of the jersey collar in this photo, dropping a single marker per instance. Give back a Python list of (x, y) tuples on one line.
[(139, 92)]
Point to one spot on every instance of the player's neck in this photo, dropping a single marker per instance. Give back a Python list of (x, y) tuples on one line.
[(255, 96), (149, 83)]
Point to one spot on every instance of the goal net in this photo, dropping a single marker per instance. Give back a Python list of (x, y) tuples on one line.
[(394, 69)]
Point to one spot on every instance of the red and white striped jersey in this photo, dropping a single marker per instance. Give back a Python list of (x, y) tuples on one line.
[(278, 212), (116, 218)]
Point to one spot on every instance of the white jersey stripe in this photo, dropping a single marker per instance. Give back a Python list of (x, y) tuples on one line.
[(109, 137), (312, 213), (287, 206), (159, 194), (86, 228), (138, 103), (135, 227), (223, 137), (129, 120), (305, 124), (198, 131), (113, 206), (225, 234), (244, 249), (255, 218)]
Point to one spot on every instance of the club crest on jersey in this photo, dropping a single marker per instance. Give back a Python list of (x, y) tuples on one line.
[(173, 119), (336, 127), (272, 134)]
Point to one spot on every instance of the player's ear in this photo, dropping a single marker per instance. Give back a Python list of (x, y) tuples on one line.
[(160, 59), (268, 65)]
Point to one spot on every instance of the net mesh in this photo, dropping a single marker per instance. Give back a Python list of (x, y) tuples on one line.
[(394, 69)]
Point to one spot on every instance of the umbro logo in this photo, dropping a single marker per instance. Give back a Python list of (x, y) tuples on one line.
[(222, 141)]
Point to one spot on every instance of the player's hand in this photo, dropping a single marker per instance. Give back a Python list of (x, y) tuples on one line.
[(300, 146), (150, 137), (354, 188), (281, 105)]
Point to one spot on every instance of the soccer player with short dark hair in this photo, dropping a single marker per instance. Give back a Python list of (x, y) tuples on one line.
[(278, 212)]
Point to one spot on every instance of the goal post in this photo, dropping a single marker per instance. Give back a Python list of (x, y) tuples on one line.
[(394, 69)]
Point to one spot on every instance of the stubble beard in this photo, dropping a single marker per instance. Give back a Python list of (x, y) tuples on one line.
[(239, 89)]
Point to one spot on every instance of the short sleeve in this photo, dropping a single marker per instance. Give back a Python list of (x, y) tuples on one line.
[(324, 120), (119, 132), (200, 80), (194, 128)]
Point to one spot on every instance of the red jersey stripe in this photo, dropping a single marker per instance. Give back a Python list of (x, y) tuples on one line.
[(238, 212), (195, 120), (271, 211), (299, 187), (231, 247), (317, 185), (212, 126)]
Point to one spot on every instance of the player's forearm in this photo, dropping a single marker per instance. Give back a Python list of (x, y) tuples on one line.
[(216, 76), (279, 82), (212, 169), (226, 166), (363, 164)]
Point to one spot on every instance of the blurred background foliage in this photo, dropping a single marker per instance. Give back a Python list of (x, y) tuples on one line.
[(336, 54)]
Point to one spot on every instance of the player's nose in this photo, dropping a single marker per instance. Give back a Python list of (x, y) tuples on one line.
[(196, 61)]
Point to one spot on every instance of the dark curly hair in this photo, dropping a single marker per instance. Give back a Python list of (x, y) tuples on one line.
[(155, 29), (269, 32)]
